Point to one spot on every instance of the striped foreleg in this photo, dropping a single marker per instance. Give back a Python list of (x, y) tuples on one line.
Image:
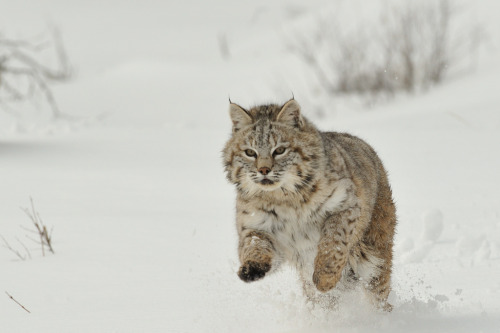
[(333, 248), (257, 252)]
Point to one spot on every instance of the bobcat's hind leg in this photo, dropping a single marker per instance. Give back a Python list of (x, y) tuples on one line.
[(378, 289), (380, 238)]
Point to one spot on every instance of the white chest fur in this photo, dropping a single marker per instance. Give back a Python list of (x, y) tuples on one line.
[(296, 234), (297, 231)]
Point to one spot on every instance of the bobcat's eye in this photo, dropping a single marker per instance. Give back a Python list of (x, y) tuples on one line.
[(279, 151), (250, 153)]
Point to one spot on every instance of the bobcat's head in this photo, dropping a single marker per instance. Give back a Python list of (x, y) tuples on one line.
[(272, 148)]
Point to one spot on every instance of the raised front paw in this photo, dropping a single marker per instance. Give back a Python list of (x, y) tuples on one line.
[(252, 271), (325, 280)]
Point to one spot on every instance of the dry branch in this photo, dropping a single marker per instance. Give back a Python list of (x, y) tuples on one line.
[(15, 251), (42, 235), (23, 76), (22, 306), (42, 231)]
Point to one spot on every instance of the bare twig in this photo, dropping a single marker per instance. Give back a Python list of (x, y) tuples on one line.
[(13, 250), (43, 236), (223, 46), (22, 306), (25, 248), (42, 231)]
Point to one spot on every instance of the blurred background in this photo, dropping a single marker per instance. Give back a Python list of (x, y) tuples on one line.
[(113, 116)]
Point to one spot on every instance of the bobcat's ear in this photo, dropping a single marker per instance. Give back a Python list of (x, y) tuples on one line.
[(290, 114), (239, 117)]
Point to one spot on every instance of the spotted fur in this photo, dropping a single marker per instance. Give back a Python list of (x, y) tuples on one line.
[(320, 201)]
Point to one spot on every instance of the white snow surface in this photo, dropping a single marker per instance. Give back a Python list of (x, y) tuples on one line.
[(143, 218)]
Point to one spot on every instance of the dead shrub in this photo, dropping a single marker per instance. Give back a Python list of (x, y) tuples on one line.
[(43, 236), (410, 47), (25, 74)]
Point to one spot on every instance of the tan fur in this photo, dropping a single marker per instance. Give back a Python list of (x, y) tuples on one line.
[(320, 201)]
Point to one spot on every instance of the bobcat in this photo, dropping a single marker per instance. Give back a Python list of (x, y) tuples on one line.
[(320, 201)]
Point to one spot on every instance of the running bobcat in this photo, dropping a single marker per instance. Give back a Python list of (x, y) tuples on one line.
[(318, 200)]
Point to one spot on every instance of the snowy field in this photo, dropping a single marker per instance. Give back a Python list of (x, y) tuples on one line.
[(143, 218)]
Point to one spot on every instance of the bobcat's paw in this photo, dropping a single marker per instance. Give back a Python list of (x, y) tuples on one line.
[(325, 281), (252, 271)]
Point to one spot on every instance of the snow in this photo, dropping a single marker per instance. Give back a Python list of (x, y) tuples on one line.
[(143, 218), (433, 225)]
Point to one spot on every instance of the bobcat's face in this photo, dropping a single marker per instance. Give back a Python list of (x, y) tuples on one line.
[(269, 151), (267, 158)]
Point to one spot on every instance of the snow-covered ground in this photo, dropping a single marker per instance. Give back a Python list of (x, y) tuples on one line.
[(143, 217)]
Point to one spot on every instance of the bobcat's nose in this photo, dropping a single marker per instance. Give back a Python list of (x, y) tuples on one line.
[(264, 170)]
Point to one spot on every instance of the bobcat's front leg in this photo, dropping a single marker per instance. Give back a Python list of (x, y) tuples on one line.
[(256, 251), (333, 248)]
